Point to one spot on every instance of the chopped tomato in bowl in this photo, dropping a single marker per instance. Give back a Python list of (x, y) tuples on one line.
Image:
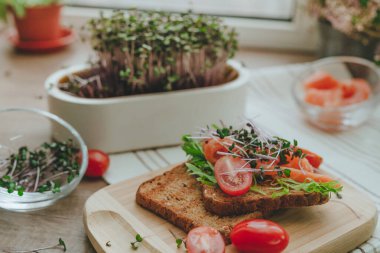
[(338, 93)]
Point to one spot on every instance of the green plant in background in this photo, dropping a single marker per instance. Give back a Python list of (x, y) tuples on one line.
[(156, 51), (358, 19), (18, 6)]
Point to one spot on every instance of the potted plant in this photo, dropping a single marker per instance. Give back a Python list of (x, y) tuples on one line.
[(35, 20), (347, 27), (157, 75)]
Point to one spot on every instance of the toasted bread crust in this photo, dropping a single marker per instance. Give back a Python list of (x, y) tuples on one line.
[(217, 202), (177, 197)]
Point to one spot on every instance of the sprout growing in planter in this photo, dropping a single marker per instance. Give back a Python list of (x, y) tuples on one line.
[(154, 52)]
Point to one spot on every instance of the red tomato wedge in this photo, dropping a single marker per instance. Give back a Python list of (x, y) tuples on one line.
[(300, 164), (324, 98), (211, 147), (258, 236), (205, 240), (314, 159), (355, 91), (231, 177), (321, 81), (323, 90)]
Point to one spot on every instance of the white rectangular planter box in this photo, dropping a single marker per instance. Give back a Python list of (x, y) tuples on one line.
[(145, 121)]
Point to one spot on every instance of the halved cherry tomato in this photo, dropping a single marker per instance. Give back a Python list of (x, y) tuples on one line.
[(356, 91), (98, 163), (323, 90), (229, 178), (321, 81), (205, 240), (314, 159), (324, 97), (211, 147), (258, 236)]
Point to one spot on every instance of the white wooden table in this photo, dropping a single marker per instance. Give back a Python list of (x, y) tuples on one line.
[(352, 155)]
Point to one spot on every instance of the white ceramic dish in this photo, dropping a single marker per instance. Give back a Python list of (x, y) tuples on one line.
[(145, 121)]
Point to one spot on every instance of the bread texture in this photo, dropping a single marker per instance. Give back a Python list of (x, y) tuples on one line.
[(177, 197), (217, 202)]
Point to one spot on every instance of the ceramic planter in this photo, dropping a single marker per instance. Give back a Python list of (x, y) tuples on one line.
[(40, 23), (145, 121)]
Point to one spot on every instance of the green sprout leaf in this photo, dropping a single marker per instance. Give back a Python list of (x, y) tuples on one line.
[(179, 242), (62, 243), (139, 238)]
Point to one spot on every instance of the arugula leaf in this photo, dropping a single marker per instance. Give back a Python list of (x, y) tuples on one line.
[(281, 192), (257, 189), (287, 184), (202, 176), (191, 147), (197, 164)]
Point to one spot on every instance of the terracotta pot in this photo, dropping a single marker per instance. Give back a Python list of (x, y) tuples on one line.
[(40, 23)]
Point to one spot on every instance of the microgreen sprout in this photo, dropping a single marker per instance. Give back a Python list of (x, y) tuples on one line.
[(60, 245), (285, 185), (178, 240), (46, 168), (135, 244), (154, 52)]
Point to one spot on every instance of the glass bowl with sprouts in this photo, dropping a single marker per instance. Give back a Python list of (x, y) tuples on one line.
[(42, 159)]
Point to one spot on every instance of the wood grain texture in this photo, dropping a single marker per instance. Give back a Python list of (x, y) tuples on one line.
[(338, 226)]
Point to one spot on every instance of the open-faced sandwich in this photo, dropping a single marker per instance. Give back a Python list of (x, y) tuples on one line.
[(233, 175)]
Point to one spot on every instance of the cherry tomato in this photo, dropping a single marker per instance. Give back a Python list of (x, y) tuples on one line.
[(229, 178), (211, 147), (205, 240), (356, 91), (314, 159), (259, 236), (98, 163)]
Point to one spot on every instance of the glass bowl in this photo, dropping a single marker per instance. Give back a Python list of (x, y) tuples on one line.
[(340, 117), (32, 127)]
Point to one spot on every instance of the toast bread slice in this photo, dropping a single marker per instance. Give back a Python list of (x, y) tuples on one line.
[(218, 202), (177, 197)]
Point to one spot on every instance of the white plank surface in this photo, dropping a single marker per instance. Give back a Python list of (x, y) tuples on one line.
[(352, 155)]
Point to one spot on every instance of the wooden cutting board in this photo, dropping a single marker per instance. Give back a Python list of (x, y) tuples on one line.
[(112, 219)]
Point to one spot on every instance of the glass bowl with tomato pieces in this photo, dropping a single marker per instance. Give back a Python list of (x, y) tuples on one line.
[(42, 159), (338, 93)]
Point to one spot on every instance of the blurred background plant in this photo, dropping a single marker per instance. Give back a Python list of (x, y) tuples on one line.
[(34, 20), (154, 52), (18, 7), (348, 26)]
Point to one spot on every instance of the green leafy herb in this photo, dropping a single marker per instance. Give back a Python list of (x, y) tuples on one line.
[(46, 168), (18, 6), (150, 51), (139, 238), (287, 172), (197, 164), (363, 3), (135, 244), (257, 189), (285, 185), (179, 242), (61, 245)]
